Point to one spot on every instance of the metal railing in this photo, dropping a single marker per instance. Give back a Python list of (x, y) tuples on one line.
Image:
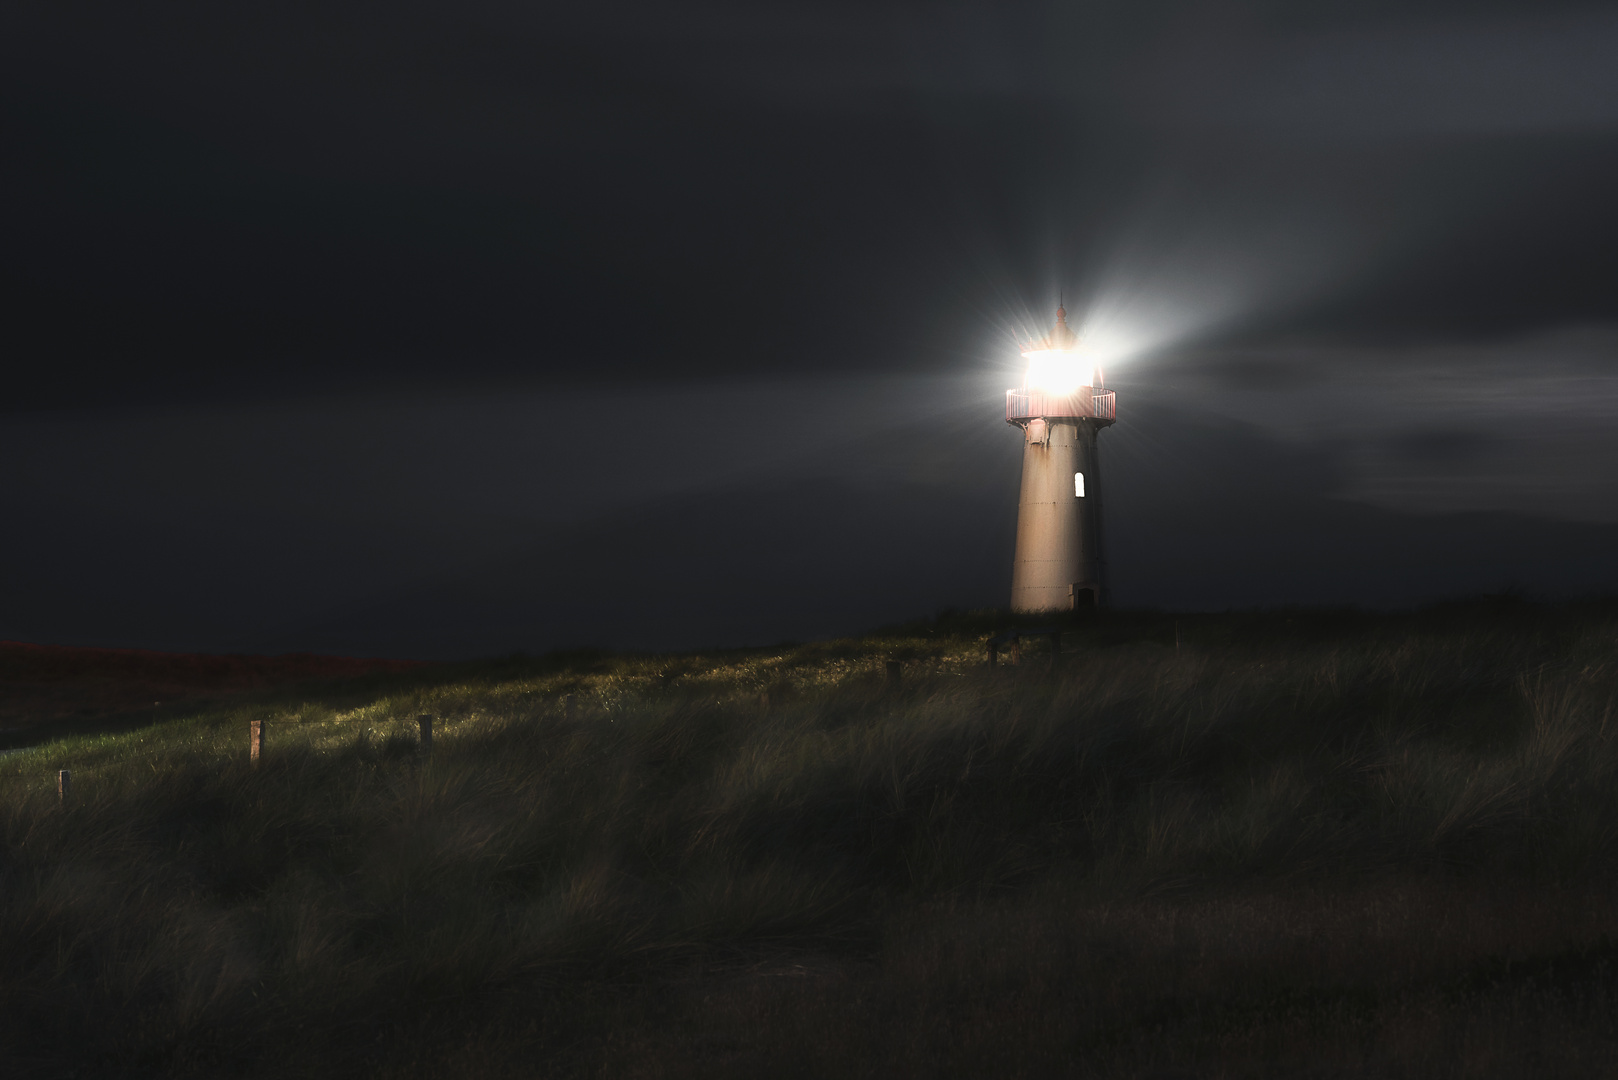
[(1086, 401)]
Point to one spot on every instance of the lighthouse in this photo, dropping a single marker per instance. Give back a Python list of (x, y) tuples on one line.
[(1060, 410)]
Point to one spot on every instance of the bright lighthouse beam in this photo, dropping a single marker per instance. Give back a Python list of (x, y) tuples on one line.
[(1058, 371), (1059, 364)]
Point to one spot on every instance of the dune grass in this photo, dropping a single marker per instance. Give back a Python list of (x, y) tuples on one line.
[(1300, 843)]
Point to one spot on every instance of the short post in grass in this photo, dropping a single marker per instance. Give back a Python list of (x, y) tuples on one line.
[(1008, 642), (764, 701), (255, 741), (426, 722), (64, 785), (567, 706), (895, 674)]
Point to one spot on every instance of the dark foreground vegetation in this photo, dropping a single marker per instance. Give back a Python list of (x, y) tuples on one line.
[(1299, 844)]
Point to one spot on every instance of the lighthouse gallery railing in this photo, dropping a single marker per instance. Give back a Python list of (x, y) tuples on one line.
[(1086, 401)]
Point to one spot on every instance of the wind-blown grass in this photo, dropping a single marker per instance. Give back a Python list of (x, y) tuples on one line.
[(1298, 835)]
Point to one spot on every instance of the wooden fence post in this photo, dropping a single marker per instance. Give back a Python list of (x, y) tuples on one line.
[(426, 722), (255, 741), (567, 706), (895, 670), (64, 785)]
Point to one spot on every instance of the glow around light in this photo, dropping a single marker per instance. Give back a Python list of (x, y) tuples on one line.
[(1059, 371)]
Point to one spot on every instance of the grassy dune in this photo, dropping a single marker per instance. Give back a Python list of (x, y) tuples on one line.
[(1299, 844)]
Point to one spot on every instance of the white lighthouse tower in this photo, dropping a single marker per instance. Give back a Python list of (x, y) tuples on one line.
[(1060, 409)]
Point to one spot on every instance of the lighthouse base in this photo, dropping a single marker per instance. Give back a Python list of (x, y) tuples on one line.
[(1057, 566)]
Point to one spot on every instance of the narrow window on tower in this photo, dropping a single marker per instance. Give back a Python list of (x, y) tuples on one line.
[(1078, 485)]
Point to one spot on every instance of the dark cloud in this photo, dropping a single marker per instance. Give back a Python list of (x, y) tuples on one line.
[(1443, 446), (273, 198)]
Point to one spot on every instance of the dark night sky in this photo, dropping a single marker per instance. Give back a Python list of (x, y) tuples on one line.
[(464, 329)]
